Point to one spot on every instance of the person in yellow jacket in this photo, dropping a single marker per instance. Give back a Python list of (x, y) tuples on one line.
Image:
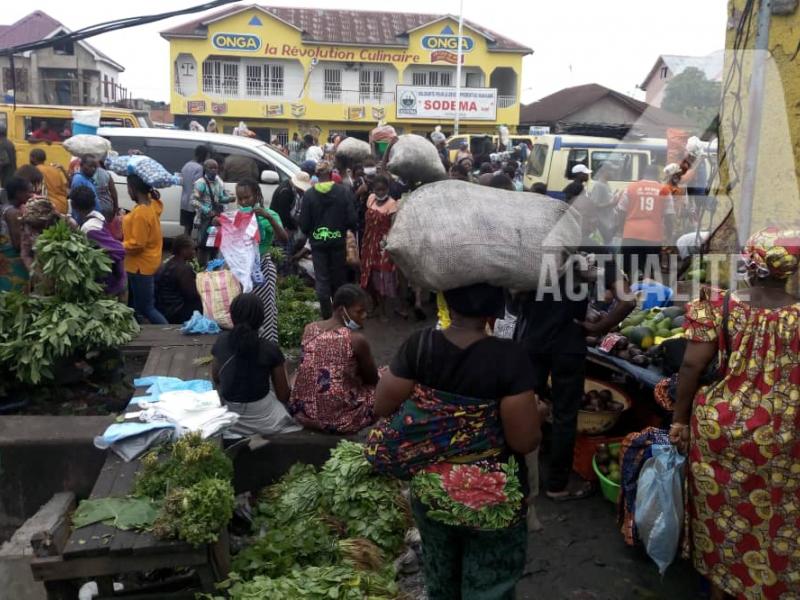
[(143, 241)]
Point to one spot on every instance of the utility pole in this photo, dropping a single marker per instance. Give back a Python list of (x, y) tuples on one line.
[(459, 57)]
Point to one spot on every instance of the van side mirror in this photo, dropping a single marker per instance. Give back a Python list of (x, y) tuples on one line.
[(269, 177)]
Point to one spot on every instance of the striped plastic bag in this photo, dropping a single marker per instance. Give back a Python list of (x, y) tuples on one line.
[(217, 290)]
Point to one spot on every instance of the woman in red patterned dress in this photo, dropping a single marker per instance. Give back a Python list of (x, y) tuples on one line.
[(378, 272), (742, 432), (335, 386)]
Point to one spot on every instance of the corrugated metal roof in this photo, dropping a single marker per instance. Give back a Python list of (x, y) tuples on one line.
[(346, 27), (36, 26)]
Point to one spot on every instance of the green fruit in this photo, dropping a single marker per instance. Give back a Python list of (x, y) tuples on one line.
[(642, 337), (614, 452), (636, 318), (627, 330), (676, 331), (674, 311)]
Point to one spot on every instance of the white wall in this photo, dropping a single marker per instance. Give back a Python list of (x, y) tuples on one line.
[(408, 74), (351, 78)]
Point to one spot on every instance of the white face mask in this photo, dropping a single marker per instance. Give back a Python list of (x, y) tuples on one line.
[(370, 171), (382, 198), (349, 323)]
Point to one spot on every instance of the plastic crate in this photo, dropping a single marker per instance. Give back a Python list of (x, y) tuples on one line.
[(585, 447)]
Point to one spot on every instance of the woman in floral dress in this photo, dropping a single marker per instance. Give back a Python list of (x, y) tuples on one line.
[(378, 272), (465, 404), (335, 386), (742, 433)]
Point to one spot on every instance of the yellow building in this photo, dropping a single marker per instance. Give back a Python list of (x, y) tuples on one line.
[(286, 70)]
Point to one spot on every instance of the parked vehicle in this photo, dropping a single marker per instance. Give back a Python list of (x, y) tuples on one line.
[(174, 148), (553, 157), (25, 119)]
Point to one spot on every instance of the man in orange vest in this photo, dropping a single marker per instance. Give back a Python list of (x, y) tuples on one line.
[(649, 219)]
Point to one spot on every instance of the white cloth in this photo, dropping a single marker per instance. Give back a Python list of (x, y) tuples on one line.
[(239, 246), (190, 411), (314, 153), (94, 222)]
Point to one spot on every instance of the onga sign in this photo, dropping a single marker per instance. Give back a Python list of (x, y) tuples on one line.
[(447, 40), (243, 42)]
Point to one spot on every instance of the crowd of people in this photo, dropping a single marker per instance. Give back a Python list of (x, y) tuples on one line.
[(339, 214)]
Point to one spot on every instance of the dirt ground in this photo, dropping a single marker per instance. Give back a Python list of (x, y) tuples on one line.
[(580, 554)]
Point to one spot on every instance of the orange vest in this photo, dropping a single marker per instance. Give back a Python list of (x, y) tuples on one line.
[(645, 218)]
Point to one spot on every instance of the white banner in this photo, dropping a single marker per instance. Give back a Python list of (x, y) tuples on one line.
[(439, 103)]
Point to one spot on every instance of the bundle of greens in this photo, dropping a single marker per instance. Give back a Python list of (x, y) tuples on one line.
[(297, 307), (197, 513), (324, 535), (73, 319)]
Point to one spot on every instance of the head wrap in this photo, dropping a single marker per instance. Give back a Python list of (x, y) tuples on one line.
[(477, 300), (773, 252), (39, 212)]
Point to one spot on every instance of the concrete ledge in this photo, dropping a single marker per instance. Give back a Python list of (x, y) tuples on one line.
[(41, 456)]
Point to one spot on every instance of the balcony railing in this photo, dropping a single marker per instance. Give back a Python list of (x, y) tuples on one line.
[(506, 101), (351, 97)]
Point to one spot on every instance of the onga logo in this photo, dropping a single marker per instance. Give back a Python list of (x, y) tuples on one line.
[(447, 40), (245, 42)]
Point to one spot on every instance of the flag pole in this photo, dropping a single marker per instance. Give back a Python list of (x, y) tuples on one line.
[(459, 57)]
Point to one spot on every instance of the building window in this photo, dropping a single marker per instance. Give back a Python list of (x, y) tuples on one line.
[(370, 85), (432, 78), (221, 77), (113, 90), (105, 87), (265, 80), (664, 72), (21, 76), (473, 80), (333, 85), (64, 48), (281, 134)]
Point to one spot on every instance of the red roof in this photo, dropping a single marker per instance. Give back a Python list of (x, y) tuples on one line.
[(36, 26), (346, 27)]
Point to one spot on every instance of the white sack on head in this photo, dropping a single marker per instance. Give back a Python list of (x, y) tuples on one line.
[(453, 233), (87, 144), (352, 151), (415, 160)]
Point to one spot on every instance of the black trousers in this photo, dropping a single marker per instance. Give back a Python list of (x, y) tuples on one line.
[(330, 273), (567, 373), (635, 256)]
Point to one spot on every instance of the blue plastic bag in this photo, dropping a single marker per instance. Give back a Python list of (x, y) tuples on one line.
[(654, 294), (659, 504), (150, 170), (200, 325)]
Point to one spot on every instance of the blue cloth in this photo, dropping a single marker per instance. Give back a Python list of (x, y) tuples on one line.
[(655, 294), (121, 431), (80, 180), (157, 385), (217, 263), (199, 324)]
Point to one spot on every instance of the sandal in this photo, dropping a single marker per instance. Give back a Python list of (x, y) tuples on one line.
[(580, 492)]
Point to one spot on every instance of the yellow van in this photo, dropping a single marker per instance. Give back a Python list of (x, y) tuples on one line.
[(475, 140), (553, 157), (38, 126)]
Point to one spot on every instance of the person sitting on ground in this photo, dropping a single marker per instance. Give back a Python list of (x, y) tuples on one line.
[(96, 228), (55, 180), (470, 509), (335, 386), (176, 288), (245, 368)]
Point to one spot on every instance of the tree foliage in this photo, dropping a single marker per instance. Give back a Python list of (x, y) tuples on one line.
[(693, 96)]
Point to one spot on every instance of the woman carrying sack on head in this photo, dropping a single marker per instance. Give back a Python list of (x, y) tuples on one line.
[(461, 415), (742, 432)]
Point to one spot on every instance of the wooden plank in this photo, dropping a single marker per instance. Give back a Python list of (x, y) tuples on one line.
[(54, 568), (153, 336)]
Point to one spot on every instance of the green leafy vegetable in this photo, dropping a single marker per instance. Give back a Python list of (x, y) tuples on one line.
[(122, 513), (198, 513), (297, 307)]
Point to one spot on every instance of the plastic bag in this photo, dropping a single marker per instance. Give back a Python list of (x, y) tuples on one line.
[(659, 504), (199, 325), (150, 170), (217, 291), (415, 159), (84, 145), (451, 234)]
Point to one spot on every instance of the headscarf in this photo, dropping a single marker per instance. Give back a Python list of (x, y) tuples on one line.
[(196, 127), (773, 252), (39, 213), (212, 126)]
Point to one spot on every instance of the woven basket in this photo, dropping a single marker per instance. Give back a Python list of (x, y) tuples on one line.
[(596, 422)]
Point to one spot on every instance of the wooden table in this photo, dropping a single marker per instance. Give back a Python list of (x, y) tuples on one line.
[(99, 551), (162, 336)]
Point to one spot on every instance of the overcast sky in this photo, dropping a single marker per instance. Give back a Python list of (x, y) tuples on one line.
[(614, 42)]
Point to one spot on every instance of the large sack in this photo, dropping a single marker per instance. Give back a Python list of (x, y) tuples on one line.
[(453, 233), (416, 160), (217, 290), (351, 152), (85, 145), (150, 170)]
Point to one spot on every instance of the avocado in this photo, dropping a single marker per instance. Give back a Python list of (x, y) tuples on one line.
[(674, 312), (642, 337), (676, 331), (627, 330), (636, 318)]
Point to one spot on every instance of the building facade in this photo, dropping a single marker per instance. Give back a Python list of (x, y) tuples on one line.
[(72, 73), (286, 70), (668, 66)]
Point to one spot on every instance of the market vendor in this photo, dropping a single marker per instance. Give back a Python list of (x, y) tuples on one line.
[(335, 386), (470, 509), (552, 328)]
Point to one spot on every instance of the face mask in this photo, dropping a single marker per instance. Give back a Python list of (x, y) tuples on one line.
[(211, 176), (382, 198), (370, 171), (349, 323)]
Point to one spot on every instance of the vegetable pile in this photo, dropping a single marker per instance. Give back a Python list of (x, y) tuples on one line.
[(182, 491), (297, 307), (68, 317), (325, 534)]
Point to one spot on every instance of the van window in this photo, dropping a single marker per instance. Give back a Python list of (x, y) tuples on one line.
[(123, 145), (622, 166), (115, 122), (47, 129), (538, 160), (172, 154), (221, 153), (4, 120), (577, 156)]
